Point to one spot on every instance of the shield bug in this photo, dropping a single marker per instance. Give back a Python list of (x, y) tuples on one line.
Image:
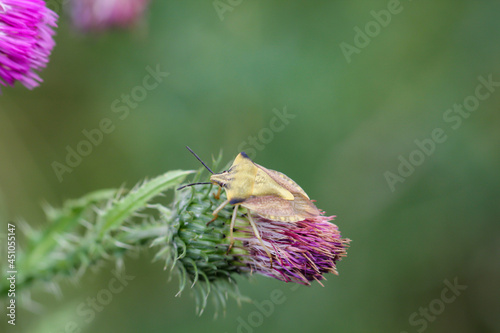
[(267, 193)]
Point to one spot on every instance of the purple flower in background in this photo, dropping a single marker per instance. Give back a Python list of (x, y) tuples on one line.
[(104, 14), (302, 251), (26, 40)]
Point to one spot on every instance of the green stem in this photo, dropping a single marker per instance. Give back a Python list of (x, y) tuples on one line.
[(66, 247), (83, 256)]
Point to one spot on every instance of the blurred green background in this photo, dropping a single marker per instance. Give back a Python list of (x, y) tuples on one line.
[(351, 123)]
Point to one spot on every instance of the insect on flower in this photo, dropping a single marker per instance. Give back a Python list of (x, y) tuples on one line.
[(265, 193)]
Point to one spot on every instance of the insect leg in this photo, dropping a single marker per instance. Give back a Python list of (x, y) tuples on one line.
[(217, 196), (217, 210), (231, 227), (257, 234)]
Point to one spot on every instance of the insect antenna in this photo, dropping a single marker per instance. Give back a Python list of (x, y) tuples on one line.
[(205, 183), (199, 159)]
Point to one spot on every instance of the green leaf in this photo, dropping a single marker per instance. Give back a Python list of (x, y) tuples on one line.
[(137, 199), (63, 220)]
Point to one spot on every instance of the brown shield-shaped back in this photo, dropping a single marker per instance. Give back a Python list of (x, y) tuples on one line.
[(279, 208)]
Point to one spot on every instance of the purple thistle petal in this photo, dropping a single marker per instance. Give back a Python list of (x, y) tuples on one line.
[(303, 251), (26, 40)]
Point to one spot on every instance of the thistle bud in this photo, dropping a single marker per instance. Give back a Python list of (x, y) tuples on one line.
[(301, 251)]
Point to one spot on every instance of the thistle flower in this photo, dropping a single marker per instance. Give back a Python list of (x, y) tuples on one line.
[(304, 251), (200, 254), (105, 14), (26, 40)]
